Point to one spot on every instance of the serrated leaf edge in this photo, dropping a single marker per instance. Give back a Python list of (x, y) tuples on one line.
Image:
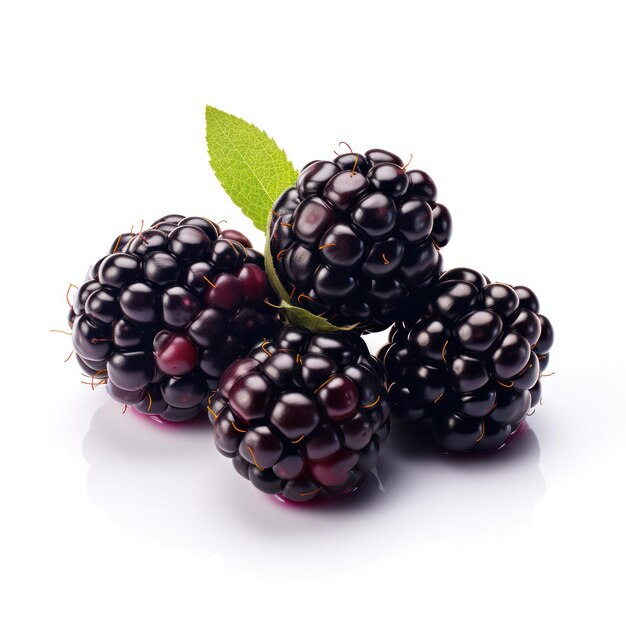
[(215, 119)]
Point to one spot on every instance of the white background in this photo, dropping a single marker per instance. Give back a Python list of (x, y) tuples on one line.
[(516, 109)]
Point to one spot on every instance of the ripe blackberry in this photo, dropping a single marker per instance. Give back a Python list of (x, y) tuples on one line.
[(167, 311), (303, 414), (469, 364), (356, 239)]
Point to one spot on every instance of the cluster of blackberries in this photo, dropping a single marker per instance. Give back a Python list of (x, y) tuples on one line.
[(358, 238), (180, 319), (167, 311)]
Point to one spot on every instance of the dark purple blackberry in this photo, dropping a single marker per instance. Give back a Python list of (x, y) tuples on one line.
[(167, 311), (358, 238), (470, 363), (303, 414)]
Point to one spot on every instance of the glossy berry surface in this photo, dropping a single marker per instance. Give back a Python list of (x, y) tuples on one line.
[(303, 414), (358, 238), (470, 364), (167, 311)]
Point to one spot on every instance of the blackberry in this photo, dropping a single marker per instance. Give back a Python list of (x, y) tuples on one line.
[(358, 237), (469, 364), (163, 314), (304, 414)]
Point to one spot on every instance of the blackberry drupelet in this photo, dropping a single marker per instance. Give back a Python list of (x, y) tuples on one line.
[(358, 238), (167, 311), (469, 364), (303, 414)]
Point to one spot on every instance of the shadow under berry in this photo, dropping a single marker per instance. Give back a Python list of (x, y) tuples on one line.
[(165, 484)]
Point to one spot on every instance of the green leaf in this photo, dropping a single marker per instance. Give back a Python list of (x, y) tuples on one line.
[(251, 168), (316, 324), (295, 314)]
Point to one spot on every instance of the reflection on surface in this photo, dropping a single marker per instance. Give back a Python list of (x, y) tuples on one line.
[(151, 477), (464, 494), (167, 484)]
